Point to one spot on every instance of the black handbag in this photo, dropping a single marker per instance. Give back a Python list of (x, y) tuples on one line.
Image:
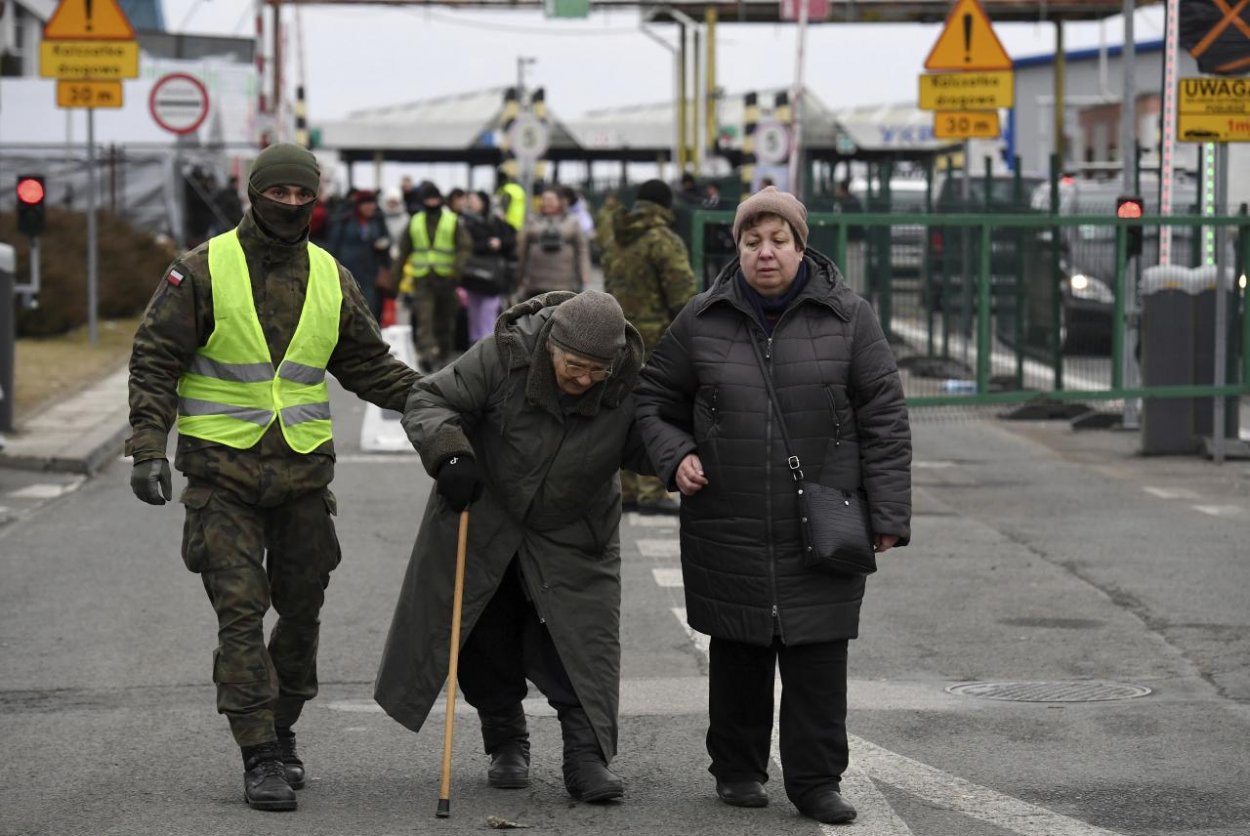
[(837, 532), (485, 275)]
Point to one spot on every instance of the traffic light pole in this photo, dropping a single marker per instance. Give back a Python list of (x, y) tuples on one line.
[(92, 276)]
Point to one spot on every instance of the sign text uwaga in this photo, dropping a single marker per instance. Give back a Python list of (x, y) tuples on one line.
[(1213, 110)]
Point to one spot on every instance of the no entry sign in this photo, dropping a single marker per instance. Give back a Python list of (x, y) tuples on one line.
[(179, 103)]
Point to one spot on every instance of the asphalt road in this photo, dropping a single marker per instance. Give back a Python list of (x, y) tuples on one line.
[(1038, 555)]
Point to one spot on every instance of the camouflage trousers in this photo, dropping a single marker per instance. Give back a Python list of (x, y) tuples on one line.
[(437, 306), (641, 490), (250, 557)]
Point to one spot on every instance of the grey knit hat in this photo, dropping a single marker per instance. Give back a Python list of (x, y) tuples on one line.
[(770, 201), (285, 164), (590, 325)]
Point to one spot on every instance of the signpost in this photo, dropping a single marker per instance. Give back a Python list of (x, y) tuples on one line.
[(89, 47), (971, 76), (179, 103)]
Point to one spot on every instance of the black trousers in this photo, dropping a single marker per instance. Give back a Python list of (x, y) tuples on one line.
[(507, 646), (814, 751)]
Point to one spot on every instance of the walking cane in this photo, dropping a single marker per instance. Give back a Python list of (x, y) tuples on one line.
[(457, 601)]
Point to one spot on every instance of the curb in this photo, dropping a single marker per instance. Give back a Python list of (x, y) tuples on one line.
[(80, 434)]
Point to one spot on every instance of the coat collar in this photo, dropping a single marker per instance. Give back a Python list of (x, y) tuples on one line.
[(521, 337), (825, 286)]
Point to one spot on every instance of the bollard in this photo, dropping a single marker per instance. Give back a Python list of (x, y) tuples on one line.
[(8, 335)]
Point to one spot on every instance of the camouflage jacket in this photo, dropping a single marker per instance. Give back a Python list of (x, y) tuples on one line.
[(648, 270), (179, 320)]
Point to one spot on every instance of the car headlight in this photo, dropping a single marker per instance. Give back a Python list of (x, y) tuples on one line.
[(1091, 289)]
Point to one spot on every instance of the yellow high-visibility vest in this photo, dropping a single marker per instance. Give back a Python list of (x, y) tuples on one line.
[(231, 393), (440, 257), (515, 214)]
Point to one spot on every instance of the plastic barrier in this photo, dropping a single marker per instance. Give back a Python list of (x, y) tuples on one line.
[(381, 431)]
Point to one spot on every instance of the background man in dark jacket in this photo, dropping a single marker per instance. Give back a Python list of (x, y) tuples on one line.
[(530, 425), (258, 519)]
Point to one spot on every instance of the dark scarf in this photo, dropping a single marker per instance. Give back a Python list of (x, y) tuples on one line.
[(767, 310)]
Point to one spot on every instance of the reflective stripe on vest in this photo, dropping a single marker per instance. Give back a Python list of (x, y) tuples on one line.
[(441, 257), (515, 213), (230, 393)]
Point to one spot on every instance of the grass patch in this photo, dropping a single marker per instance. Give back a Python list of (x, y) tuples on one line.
[(51, 368)]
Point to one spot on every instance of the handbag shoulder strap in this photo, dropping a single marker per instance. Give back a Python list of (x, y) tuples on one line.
[(792, 459)]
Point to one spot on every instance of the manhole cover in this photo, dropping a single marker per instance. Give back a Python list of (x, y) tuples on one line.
[(1050, 691)]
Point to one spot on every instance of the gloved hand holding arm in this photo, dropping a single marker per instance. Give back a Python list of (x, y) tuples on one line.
[(151, 482), (460, 482)]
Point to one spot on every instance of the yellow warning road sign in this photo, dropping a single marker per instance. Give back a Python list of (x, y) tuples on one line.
[(89, 94), (1213, 96), (966, 124), (967, 91), (968, 42), (99, 60), (1198, 127), (88, 20)]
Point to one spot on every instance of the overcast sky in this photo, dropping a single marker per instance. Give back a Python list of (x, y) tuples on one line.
[(364, 56)]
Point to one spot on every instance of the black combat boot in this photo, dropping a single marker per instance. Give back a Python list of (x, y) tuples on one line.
[(290, 758), (586, 773), (507, 741), (264, 779)]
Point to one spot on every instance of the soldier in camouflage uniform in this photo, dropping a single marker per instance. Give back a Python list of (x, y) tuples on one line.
[(648, 271), (258, 518)]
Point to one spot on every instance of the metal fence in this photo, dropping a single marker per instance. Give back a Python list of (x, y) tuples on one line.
[(995, 309)]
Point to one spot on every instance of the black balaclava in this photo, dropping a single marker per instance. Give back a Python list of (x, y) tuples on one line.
[(284, 164)]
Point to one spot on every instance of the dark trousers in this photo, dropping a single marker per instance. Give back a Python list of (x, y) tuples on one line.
[(507, 646), (249, 558), (814, 749)]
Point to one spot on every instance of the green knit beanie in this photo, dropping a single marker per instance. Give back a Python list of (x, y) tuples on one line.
[(286, 164)]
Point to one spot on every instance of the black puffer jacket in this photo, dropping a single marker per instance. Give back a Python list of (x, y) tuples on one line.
[(702, 391)]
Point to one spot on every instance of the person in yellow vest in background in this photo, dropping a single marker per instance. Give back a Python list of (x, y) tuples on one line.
[(433, 254), (511, 198), (234, 348)]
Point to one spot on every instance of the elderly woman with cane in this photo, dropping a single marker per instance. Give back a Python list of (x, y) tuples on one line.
[(530, 426), (773, 403)]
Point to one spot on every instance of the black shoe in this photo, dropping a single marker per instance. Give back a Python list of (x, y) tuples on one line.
[(664, 505), (591, 780), (827, 807), (291, 760), (586, 773), (264, 779), (509, 767), (742, 793)]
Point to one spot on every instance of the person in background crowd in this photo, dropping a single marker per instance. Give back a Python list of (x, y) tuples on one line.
[(396, 217), (219, 353), (711, 197), (362, 244), (229, 206), (529, 427), (689, 193), (856, 268), (412, 201), (576, 207), (486, 273), (510, 196), (709, 425), (552, 252), (603, 224), (433, 254), (455, 200), (650, 275), (200, 220)]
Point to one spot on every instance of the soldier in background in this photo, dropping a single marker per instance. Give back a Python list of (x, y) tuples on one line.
[(649, 274), (218, 351)]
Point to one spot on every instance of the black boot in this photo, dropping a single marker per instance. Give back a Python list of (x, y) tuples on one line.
[(586, 773), (290, 759), (507, 741), (264, 779)]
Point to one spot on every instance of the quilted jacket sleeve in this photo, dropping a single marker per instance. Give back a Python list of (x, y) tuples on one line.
[(665, 404)]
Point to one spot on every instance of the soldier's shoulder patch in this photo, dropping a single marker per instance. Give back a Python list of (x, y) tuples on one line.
[(175, 277)]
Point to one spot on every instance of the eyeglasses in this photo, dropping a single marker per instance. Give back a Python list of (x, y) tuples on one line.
[(575, 368)]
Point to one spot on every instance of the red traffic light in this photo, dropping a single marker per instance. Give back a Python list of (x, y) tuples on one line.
[(1129, 208), (30, 191)]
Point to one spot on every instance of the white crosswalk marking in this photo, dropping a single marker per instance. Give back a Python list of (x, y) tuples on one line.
[(44, 490), (1220, 510), (1170, 493), (652, 520), (659, 548), (667, 577)]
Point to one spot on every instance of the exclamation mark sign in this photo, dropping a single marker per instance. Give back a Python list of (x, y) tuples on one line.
[(967, 36), (87, 3)]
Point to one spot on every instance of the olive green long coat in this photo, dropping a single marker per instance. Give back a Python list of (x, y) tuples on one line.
[(552, 500)]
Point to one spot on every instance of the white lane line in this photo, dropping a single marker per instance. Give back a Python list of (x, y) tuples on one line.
[(1220, 510), (668, 577), (408, 458), (44, 490), (1171, 493), (659, 548), (653, 520), (958, 795), (876, 817)]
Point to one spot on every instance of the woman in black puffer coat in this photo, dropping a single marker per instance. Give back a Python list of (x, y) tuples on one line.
[(705, 415)]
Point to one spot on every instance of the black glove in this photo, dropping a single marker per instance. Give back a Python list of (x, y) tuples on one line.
[(150, 481), (460, 482)]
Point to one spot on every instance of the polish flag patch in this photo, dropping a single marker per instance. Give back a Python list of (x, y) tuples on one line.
[(174, 278)]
